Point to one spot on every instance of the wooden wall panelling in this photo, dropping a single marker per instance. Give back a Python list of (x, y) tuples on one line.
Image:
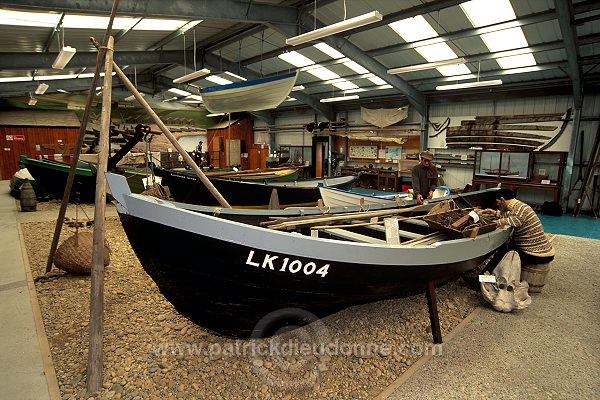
[(11, 150)]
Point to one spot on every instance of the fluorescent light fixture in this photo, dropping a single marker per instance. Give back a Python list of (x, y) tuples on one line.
[(132, 97), (194, 76), (179, 92), (63, 58), (215, 115), (422, 67), (170, 99), (340, 98), (32, 101), (194, 97), (298, 87), (16, 79), (63, 91), (338, 27), (41, 89), (469, 85)]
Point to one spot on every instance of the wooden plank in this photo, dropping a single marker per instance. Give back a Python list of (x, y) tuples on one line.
[(515, 119), (427, 239), (474, 125), (295, 222), (496, 133), (494, 139), (353, 236), (494, 146), (402, 233)]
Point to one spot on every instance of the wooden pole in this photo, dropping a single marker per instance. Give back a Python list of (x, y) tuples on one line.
[(186, 157), (77, 151), (95, 355)]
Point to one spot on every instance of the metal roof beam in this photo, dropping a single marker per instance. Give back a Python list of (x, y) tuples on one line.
[(39, 60), (230, 10), (564, 13)]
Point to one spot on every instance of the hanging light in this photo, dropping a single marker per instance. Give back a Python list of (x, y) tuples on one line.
[(338, 27)]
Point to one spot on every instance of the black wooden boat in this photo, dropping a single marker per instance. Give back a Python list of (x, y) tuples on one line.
[(185, 187), (226, 275), (52, 176)]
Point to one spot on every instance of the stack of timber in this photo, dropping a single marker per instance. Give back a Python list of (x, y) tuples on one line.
[(512, 132)]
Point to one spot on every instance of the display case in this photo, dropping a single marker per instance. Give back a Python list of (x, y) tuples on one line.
[(296, 155), (534, 170), (502, 164)]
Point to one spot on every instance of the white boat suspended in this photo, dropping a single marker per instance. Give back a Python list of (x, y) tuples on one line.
[(254, 95)]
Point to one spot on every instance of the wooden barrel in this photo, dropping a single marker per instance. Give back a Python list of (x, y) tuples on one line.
[(535, 275), (27, 199)]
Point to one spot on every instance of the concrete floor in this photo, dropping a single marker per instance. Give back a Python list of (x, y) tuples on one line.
[(548, 350), (25, 364)]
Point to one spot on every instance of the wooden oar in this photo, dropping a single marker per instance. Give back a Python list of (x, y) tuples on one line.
[(358, 224), (294, 223)]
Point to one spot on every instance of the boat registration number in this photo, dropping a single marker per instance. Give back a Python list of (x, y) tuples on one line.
[(287, 264)]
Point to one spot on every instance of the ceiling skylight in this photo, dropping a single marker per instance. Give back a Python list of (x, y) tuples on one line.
[(345, 85), (241, 78), (417, 28), (482, 13), (218, 80), (377, 80), (323, 73), (93, 22), (179, 92), (330, 51), (28, 18), (356, 67), (516, 61), (413, 29), (296, 59), (153, 24)]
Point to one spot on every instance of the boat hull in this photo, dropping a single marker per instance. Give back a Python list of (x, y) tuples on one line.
[(219, 286), (187, 188), (52, 176), (258, 94)]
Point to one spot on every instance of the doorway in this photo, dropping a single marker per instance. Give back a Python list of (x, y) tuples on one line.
[(320, 156)]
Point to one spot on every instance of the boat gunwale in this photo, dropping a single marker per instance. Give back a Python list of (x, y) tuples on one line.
[(241, 84), (296, 244)]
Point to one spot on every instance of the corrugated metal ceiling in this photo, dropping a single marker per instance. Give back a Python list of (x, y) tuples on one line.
[(258, 51)]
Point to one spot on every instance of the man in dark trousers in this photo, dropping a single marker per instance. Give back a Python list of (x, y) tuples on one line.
[(424, 177), (198, 154)]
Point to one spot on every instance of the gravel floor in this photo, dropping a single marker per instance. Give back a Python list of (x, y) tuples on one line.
[(152, 352)]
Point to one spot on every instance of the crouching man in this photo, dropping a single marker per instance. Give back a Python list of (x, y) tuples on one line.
[(528, 237)]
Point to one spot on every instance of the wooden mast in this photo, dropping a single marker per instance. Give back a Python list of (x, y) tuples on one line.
[(95, 355)]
